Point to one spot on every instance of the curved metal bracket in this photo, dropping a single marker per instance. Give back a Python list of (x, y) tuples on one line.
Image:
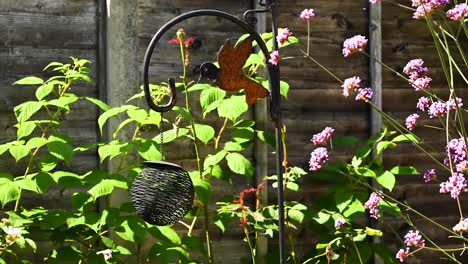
[(273, 71)]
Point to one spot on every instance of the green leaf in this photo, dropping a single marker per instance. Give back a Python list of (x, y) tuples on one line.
[(171, 135), (296, 215), (60, 148), (195, 243), (404, 170), (110, 113), (53, 64), (356, 162), (345, 140), (139, 115), (64, 101), (106, 187), (353, 208), (31, 80), (406, 137), (9, 191), (44, 90), (383, 145), (255, 58), (343, 199), (48, 163), (4, 148), (373, 232), (212, 160), (169, 233), (149, 150), (387, 180), (284, 89), (99, 103), (322, 217), (19, 151), (31, 244), (204, 132), (292, 186), (202, 189), (36, 142), (233, 146), (25, 129), (25, 110), (239, 164), (266, 137), (387, 255), (366, 172), (210, 99), (233, 107), (243, 135), (182, 111), (111, 150)]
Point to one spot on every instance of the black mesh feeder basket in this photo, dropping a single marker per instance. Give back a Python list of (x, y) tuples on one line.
[(162, 193)]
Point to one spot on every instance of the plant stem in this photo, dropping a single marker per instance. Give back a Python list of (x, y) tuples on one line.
[(321, 66), (221, 130), (197, 153), (357, 251), (252, 252), (308, 37)]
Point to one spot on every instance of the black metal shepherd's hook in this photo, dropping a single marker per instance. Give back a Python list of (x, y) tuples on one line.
[(274, 100)]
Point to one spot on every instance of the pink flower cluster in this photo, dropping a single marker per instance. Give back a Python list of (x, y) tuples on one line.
[(364, 94), (462, 166), (423, 103), (307, 14), (456, 151), (350, 85), (283, 36), (274, 57), (322, 137), (427, 7), (372, 204), (354, 44), (374, 1), (452, 105), (459, 12), (402, 254), (414, 239), (317, 158), (437, 109), (455, 185), (462, 226), (430, 175), (339, 223), (416, 73), (411, 121)]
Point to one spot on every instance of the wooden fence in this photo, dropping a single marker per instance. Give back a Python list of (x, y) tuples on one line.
[(37, 32)]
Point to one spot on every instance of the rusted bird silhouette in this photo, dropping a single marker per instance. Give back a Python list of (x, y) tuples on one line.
[(229, 76)]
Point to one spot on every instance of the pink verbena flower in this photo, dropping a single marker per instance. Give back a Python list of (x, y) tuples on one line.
[(458, 12), (350, 85), (423, 103), (430, 175), (354, 44), (462, 166), (402, 254), (414, 239), (455, 185), (462, 226), (427, 7), (411, 121), (283, 36), (274, 57), (372, 203), (317, 158), (339, 223), (374, 1), (364, 94), (451, 105), (322, 137), (456, 151), (415, 69), (421, 83), (437, 109), (307, 14)]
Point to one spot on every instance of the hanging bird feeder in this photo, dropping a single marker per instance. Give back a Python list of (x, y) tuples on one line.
[(163, 192)]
